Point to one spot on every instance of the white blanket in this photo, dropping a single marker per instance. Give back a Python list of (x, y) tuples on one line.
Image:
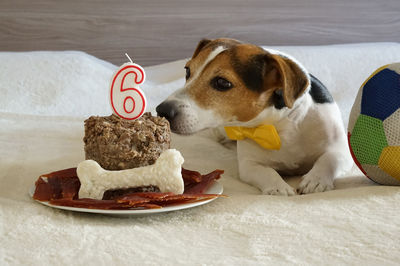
[(45, 97)]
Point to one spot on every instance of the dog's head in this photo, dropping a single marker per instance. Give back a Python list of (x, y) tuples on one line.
[(230, 83)]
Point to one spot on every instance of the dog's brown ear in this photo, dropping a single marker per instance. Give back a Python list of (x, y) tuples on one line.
[(200, 46), (290, 77)]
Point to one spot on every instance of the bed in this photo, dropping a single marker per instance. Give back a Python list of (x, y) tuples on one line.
[(45, 96)]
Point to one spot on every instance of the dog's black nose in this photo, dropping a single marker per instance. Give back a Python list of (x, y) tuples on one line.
[(166, 109)]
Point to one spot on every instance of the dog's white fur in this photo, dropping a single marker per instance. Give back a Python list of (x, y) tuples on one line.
[(313, 141)]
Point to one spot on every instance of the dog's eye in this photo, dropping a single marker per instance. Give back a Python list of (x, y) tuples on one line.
[(187, 72), (221, 84)]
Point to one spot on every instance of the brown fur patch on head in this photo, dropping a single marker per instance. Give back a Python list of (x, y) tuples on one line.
[(261, 70), (254, 73), (256, 67), (206, 43), (238, 103), (204, 48), (200, 46)]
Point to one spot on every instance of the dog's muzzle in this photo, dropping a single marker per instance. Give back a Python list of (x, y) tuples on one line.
[(180, 115)]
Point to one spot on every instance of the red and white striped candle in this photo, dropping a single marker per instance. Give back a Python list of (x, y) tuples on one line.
[(127, 99)]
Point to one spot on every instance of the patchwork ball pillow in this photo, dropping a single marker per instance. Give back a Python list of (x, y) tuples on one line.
[(374, 126)]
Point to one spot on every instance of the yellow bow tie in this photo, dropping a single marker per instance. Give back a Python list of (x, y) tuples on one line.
[(265, 135)]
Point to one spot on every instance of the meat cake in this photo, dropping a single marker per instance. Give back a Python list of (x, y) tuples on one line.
[(118, 144)]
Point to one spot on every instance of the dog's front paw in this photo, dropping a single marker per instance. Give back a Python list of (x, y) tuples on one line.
[(312, 184), (281, 190)]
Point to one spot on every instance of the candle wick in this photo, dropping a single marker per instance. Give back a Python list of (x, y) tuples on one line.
[(129, 57)]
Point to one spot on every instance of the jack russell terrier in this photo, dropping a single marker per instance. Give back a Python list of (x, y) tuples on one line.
[(285, 120)]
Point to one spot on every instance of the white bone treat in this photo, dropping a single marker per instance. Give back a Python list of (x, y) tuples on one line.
[(165, 173)]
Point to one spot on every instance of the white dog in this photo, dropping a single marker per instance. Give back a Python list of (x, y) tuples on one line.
[(233, 84)]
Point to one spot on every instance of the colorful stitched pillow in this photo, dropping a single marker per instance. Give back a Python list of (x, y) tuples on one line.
[(374, 126)]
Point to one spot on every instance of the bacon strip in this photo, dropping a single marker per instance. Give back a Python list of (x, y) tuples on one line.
[(56, 185), (146, 206), (62, 188), (133, 201), (148, 195), (165, 199), (190, 177), (187, 198), (205, 183), (91, 204)]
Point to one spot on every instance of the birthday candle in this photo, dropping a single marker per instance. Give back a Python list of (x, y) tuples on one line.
[(127, 99)]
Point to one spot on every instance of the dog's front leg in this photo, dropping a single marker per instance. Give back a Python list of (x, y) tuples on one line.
[(256, 173), (264, 178), (329, 165)]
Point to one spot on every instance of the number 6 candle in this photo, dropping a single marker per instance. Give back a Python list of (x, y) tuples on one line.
[(127, 99)]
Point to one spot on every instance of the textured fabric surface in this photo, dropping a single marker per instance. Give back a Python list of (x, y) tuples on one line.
[(368, 139), (376, 174), (381, 96), (391, 126), (41, 129), (389, 161)]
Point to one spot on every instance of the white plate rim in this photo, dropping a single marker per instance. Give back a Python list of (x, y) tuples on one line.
[(216, 188)]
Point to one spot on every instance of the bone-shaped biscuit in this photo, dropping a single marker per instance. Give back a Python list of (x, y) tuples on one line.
[(165, 174)]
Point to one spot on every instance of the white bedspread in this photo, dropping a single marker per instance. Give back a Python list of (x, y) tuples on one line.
[(44, 99)]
